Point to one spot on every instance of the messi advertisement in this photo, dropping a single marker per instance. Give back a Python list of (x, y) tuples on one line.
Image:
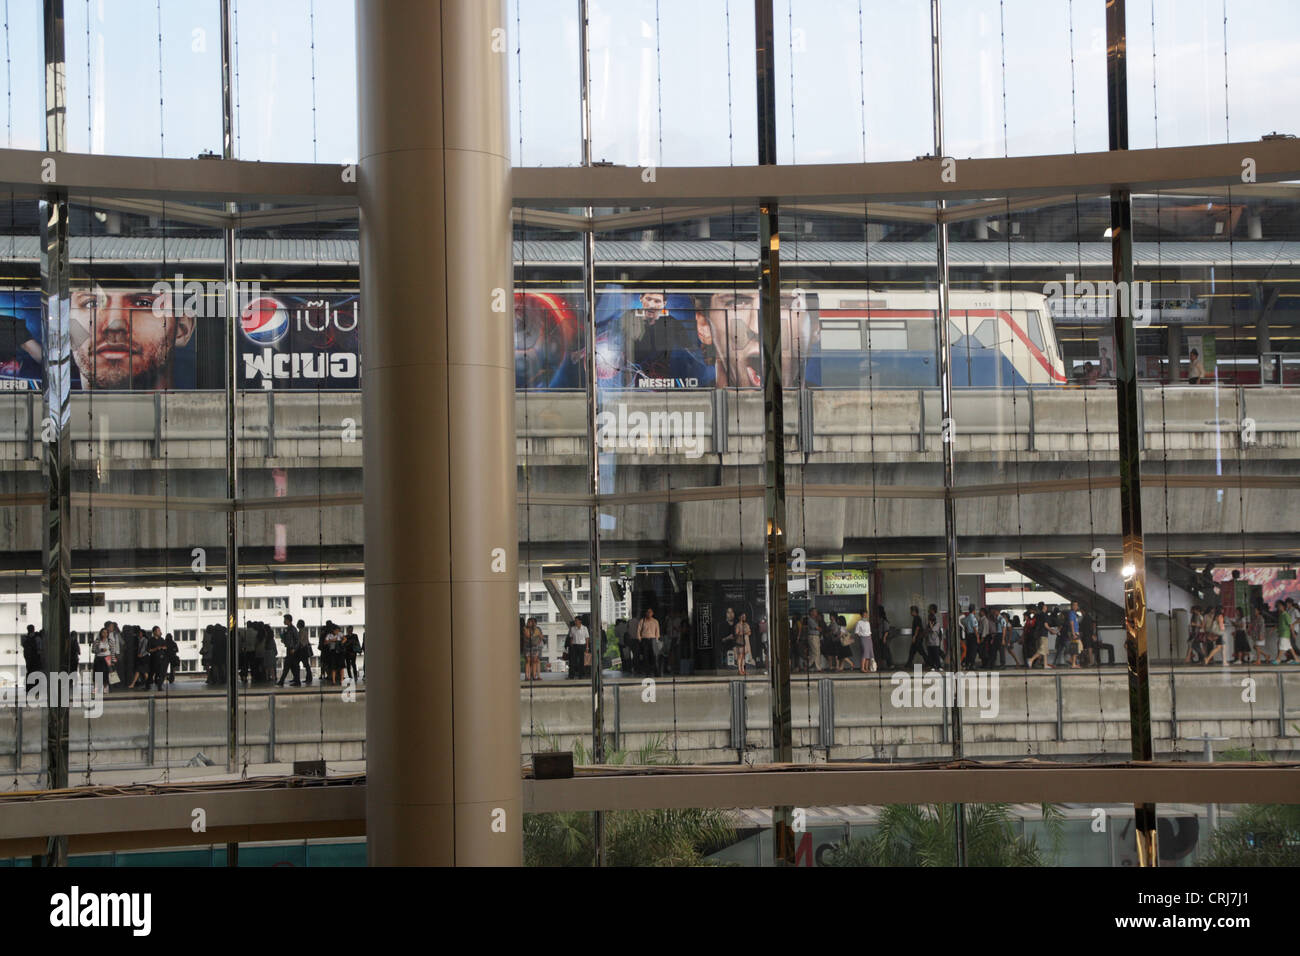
[(171, 335), (652, 339), (148, 338)]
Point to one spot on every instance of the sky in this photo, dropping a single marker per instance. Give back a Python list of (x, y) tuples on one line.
[(672, 80)]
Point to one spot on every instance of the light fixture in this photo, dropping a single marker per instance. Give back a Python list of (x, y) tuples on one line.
[(1107, 234), (1128, 571)]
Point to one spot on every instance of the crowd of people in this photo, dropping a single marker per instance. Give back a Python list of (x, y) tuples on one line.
[(650, 648), (130, 656), (336, 653), (986, 636), (133, 657), (1208, 631)]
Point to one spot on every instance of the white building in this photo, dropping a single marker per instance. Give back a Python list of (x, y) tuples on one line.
[(184, 612)]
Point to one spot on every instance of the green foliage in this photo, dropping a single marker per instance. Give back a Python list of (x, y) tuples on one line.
[(1259, 835), (632, 837), (923, 835)]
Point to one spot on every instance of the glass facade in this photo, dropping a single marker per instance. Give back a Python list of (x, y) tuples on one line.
[(947, 487)]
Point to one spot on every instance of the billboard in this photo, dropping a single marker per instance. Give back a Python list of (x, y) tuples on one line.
[(300, 341), (653, 339), (154, 336)]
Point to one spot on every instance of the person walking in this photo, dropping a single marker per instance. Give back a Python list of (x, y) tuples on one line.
[(351, 648), (647, 636), (845, 642), (934, 637), (172, 658), (304, 648), (1214, 635), (579, 640), (534, 641), (157, 658), (1285, 650), (741, 635), (626, 648), (969, 638), (289, 638), (33, 655), (880, 640), (101, 648), (918, 638), (814, 633), (862, 631), (1037, 640)]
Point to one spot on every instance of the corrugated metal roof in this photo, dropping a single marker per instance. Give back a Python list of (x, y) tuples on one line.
[(698, 252)]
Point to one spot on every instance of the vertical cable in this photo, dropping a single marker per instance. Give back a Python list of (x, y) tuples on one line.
[(731, 119)]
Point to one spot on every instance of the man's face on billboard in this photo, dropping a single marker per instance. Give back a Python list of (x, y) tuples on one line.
[(652, 302), (124, 338), (730, 324)]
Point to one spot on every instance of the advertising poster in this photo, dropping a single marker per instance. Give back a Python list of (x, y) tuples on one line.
[(647, 338), (848, 581), (300, 341), (1106, 357), (20, 341), (146, 337)]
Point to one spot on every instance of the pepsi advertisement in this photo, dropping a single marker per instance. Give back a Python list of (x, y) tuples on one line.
[(170, 336), (300, 341)]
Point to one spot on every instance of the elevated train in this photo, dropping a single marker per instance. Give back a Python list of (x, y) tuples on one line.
[(832, 339)]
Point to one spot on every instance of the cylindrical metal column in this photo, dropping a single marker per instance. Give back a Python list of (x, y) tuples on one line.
[(947, 431), (442, 709), (1127, 399), (595, 585), (56, 425), (231, 319), (784, 850)]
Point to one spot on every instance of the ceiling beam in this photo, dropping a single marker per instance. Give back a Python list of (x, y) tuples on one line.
[(1084, 173), (841, 785)]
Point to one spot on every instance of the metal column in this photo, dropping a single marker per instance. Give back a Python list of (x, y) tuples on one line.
[(1127, 399), (769, 318), (947, 433), (56, 573), (231, 319), (593, 450)]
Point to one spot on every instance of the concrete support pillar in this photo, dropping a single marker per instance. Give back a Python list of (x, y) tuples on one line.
[(442, 707), (1174, 345)]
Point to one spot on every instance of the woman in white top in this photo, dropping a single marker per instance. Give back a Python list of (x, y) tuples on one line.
[(102, 650), (863, 632), (577, 648)]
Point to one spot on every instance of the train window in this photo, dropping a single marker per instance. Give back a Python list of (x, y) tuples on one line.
[(986, 334), (1030, 322), (841, 336), (887, 336), (921, 335)]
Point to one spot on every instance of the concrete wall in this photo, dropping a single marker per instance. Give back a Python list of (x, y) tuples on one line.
[(1066, 715)]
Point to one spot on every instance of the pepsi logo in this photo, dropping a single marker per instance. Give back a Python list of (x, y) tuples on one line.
[(264, 321)]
